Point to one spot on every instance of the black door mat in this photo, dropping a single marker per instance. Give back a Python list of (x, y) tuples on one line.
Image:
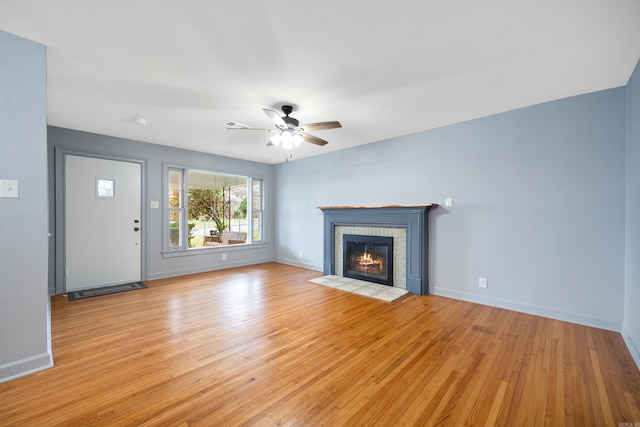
[(106, 290)]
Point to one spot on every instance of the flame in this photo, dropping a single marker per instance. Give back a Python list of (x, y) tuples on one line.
[(366, 260)]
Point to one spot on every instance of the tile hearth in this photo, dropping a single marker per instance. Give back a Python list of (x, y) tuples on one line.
[(361, 287)]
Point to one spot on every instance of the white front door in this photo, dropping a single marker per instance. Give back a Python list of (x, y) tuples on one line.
[(102, 222)]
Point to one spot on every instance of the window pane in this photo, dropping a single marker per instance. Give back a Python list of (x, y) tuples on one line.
[(105, 188), (202, 205), (257, 226), (175, 179), (216, 202), (257, 202), (175, 198), (257, 194), (175, 188), (175, 229)]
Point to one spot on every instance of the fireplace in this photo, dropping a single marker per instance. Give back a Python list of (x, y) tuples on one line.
[(413, 266), (368, 258)]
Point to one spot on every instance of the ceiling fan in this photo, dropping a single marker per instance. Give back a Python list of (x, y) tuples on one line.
[(289, 133)]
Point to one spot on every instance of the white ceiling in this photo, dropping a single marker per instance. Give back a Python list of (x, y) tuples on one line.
[(382, 68)]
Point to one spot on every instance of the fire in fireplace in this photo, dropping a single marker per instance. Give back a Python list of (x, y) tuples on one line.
[(368, 258)]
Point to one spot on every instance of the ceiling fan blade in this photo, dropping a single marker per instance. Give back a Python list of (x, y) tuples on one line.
[(231, 125), (254, 129), (320, 126), (313, 139), (273, 115)]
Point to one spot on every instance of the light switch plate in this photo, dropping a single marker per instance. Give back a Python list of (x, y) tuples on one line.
[(154, 204), (9, 189)]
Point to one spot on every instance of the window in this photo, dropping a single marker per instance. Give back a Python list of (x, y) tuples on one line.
[(208, 209), (257, 212), (105, 188), (176, 208)]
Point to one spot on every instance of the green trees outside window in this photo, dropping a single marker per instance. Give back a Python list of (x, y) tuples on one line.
[(203, 203)]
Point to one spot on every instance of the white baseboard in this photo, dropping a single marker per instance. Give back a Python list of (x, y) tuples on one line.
[(182, 272), (297, 263), (203, 269), (531, 309), (633, 346), (26, 366)]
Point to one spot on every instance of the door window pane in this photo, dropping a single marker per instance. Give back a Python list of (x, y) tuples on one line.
[(105, 188)]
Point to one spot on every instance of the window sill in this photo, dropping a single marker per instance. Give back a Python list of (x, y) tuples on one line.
[(212, 249)]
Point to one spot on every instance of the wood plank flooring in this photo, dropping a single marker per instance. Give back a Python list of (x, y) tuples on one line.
[(261, 346)]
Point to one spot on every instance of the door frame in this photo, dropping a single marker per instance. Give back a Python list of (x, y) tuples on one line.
[(60, 214)]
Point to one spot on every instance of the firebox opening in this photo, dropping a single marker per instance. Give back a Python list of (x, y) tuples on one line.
[(368, 258)]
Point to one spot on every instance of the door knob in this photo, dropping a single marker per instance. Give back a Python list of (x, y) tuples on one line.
[(136, 228)]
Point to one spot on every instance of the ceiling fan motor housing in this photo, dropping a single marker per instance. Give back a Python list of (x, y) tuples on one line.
[(290, 121)]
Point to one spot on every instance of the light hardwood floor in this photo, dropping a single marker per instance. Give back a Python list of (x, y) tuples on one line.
[(262, 346)]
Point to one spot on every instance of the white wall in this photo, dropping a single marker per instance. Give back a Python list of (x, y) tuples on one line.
[(538, 205), (24, 303)]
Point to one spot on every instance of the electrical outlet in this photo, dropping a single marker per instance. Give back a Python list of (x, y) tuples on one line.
[(482, 282), (448, 202), (300, 254), (224, 257)]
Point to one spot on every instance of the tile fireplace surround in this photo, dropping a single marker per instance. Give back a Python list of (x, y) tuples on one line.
[(410, 222)]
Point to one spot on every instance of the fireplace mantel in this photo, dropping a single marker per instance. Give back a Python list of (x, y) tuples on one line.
[(422, 205), (414, 218)]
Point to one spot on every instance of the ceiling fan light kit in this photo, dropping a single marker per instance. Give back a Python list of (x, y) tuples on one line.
[(289, 133), (287, 138)]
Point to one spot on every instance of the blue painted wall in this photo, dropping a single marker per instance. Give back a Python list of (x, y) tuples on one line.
[(157, 265), (24, 303), (540, 196), (539, 205), (631, 330)]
